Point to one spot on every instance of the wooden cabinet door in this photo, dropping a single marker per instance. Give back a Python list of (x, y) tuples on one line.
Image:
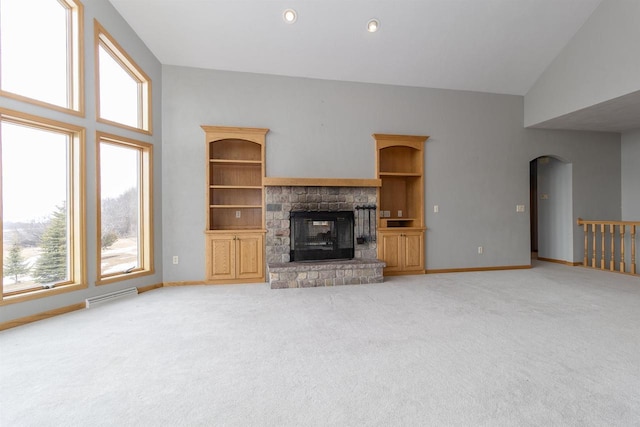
[(413, 251), (249, 256), (221, 257), (403, 251), (390, 253)]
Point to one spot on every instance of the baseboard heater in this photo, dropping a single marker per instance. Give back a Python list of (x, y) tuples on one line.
[(90, 302)]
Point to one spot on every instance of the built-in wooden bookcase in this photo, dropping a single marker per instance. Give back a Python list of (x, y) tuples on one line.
[(235, 203), (400, 167)]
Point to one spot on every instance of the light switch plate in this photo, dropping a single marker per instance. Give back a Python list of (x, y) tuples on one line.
[(519, 208)]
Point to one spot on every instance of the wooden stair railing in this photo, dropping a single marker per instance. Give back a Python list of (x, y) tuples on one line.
[(616, 233)]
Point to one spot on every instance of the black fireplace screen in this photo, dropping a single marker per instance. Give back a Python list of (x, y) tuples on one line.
[(321, 235)]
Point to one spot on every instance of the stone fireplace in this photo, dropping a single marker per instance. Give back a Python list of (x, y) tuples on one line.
[(281, 201)]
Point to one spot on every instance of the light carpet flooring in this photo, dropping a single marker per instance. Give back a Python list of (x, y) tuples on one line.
[(553, 345)]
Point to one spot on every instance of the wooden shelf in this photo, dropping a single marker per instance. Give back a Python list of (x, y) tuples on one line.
[(234, 235), (236, 162), (400, 174), (400, 166)]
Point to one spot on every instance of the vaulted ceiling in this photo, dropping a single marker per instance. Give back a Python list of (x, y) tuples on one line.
[(497, 46)]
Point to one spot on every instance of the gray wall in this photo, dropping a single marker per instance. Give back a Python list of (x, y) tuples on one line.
[(631, 176), (477, 159), (600, 63), (119, 29), (555, 209)]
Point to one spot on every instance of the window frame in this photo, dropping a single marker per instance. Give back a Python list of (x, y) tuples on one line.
[(145, 228), (75, 64), (76, 194), (112, 47)]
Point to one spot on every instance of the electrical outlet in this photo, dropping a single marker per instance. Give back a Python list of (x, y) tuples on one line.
[(480, 250), (436, 208), (175, 259), (399, 214), (238, 213)]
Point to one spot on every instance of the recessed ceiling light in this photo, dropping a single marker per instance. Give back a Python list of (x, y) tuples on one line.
[(289, 16), (373, 25)]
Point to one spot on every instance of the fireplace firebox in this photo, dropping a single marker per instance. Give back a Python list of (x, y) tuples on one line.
[(318, 235)]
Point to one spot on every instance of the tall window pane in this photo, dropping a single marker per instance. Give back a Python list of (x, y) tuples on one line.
[(39, 50), (124, 88), (35, 176), (120, 208), (119, 95)]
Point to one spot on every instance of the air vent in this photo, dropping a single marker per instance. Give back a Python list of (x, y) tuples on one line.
[(90, 302)]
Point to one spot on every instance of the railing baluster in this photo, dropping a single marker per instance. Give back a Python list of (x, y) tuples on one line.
[(633, 249), (617, 257), (593, 255), (603, 250), (585, 261), (612, 261), (622, 269)]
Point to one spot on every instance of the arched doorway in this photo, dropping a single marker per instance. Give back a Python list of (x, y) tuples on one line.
[(551, 201)]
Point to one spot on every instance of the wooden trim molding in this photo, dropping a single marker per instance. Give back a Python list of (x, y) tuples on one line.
[(559, 261), (466, 270), (185, 283), (235, 130), (143, 289), (41, 316), (320, 182), (214, 282)]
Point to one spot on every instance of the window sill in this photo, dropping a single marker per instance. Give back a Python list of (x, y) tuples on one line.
[(41, 293)]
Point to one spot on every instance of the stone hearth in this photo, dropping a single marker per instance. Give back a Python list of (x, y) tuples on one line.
[(324, 273)]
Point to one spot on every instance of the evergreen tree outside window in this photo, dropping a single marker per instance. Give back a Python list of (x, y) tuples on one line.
[(15, 264), (42, 204), (52, 264)]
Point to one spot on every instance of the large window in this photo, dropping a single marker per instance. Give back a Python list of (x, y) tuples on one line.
[(124, 90), (125, 222), (41, 52), (42, 195)]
